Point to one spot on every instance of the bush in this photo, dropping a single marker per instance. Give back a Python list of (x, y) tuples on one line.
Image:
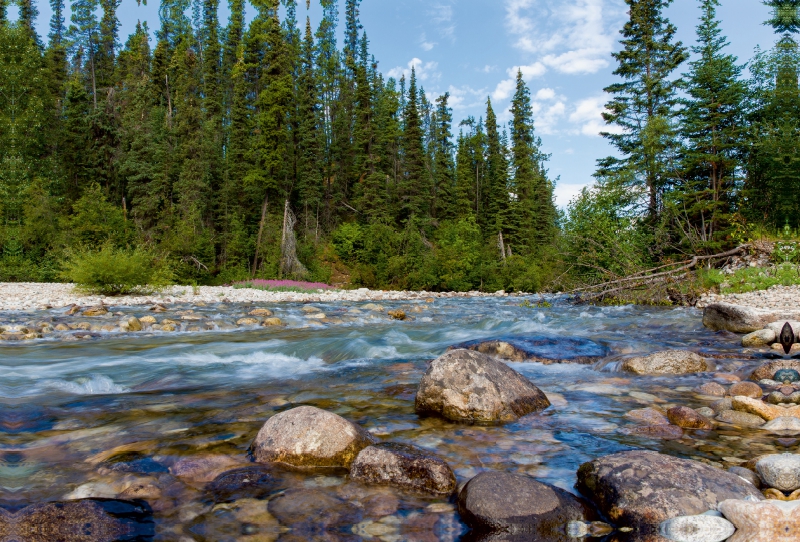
[(115, 271)]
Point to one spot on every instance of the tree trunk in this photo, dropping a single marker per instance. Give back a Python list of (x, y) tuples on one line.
[(260, 233)]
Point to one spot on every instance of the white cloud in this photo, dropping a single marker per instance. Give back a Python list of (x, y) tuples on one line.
[(504, 90), (565, 193), (441, 14), (466, 97), (506, 87), (425, 44), (570, 36), (545, 94), (588, 114), (426, 71)]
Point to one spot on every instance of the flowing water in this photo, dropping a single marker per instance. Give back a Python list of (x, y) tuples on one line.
[(70, 408)]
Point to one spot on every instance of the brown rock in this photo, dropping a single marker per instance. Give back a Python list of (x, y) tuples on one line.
[(746, 389), (688, 418), (247, 322), (403, 466), (398, 314), (766, 521), (260, 312), (663, 432), (271, 322), (202, 468), (767, 370), (134, 324), (513, 503), (308, 437), (765, 410), (742, 419), (712, 389), (668, 362), (99, 310), (464, 385), (312, 512), (648, 416), (641, 488)]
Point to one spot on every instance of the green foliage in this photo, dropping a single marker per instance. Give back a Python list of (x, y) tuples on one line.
[(751, 279), (117, 271)]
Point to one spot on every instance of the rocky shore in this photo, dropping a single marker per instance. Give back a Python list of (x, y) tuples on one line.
[(777, 298), (27, 295)]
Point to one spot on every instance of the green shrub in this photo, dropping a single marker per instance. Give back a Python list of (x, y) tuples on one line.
[(752, 279), (115, 271)]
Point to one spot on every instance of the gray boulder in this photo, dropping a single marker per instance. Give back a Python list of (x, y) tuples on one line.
[(641, 489), (673, 362), (308, 437), (762, 337), (514, 503), (741, 319), (404, 466), (464, 385), (781, 471)]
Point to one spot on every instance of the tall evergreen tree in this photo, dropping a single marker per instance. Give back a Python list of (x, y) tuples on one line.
[(414, 190), (496, 193)]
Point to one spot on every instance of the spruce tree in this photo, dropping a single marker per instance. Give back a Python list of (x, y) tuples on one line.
[(644, 104), (496, 192), (443, 162), (414, 190)]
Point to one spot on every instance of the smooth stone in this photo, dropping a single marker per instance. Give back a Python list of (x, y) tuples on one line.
[(741, 319), (746, 474), (667, 362), (642, 488), (312, 511), (496, 501), (271, 322), (700, 528), (742, 419), (648, 416), (247, 321), (86, 520), (688, 418), (722, 404), (767, 370), (765, 521), (663, 432), (149, 320), (777, 327), (202, 468), (781, 471), (404, 466), (255, 482), (785, 426), (100, 310), (762, 337), (706, 411), (133, 462), (463, 385), (712, 389), (765, 410), (260, 312), (134, 324), (545, 349), (307, 436), (746, 389)]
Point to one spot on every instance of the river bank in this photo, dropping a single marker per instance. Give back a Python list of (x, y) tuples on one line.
[(28, 295)]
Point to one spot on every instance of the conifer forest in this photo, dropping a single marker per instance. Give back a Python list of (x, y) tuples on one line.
[(278, 149)]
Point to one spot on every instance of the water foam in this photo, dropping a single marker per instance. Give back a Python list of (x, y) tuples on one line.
[(92, 385)]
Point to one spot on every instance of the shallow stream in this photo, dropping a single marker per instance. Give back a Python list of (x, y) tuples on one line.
[(100, 414)]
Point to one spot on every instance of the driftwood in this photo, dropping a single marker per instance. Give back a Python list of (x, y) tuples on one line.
[(649, 278)]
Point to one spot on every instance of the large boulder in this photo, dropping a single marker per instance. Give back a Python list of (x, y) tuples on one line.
[(670, 362), (308, 437), (464, 385), (87, 520), (741, 319), (514, 503), (640, 489), (544, 349), (404, 466)]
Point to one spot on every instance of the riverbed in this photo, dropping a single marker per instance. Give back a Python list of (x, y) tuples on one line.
[(108, 413)]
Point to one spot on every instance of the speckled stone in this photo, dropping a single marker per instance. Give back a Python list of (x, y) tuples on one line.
[(781, 471), (712, 389), (762, 337), (699, 528), (746, 389), (766, 521)]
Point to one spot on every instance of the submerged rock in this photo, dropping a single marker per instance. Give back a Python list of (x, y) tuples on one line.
[(700, 528), (667, 362), (781, 471), (649, 416), (688, 418), (404, 466), (663, 432), (307, 436), (514, 503), (742, 419), (785, 426), (711, 389), (641, 488), (254, 482), (539, 348), (464, 385), (87, 520), (313, 511)]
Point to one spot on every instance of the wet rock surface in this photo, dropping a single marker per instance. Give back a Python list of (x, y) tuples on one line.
[(513, 503), (309, 437), (463, 385), (780, 471), (310, 512), (539, 348), (688, 418), (667, 362), (403, 466), (642, 488), (256, 482), (741, 318)]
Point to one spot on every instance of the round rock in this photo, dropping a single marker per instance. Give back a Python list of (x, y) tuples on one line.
[(254, 482), (712, 389), (699, 528), (781, 471), (463, 385), (403, 466), (667, 362), (688, 418), (545, 349), (746, 474), (513, 503), (785, 426), (663, 432), (642, 488), (762, 337), (309, 437), (648, 416), (742, 419), (746, 389)]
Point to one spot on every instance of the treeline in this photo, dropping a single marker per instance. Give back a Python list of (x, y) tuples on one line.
[(265, 150), (257, 150)]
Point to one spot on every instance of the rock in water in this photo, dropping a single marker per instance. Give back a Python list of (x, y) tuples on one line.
[(781, 471), (88, 520), (786, 338), (770, 369), (688, 418), (641, 488), (313, 512), (762, 337), (514, 503), (766, 521), (309, 437), (741, 319), (742, 419), (786, 426), (746, 389), (700, 528), (403, 466), (539, 348), (746, 474), (463, 385), (669, 362), (255, 482)]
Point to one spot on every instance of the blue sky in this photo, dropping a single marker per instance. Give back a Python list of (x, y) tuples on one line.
[(472, 49)]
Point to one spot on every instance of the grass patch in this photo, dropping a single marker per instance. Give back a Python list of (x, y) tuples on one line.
[(753, 279), (282, 285)]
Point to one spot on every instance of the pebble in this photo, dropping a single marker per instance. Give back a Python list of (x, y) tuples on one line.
[(746, 389), (688, 418), (742, 419), (648, 416), (781, 471), (712, 389), (700, 528)]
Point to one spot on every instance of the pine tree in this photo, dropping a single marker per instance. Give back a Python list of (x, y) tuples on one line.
[(414, 189), (496, 192), (309, 174), (84, 37), (643, 105), (712, 126), (443, 162)]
